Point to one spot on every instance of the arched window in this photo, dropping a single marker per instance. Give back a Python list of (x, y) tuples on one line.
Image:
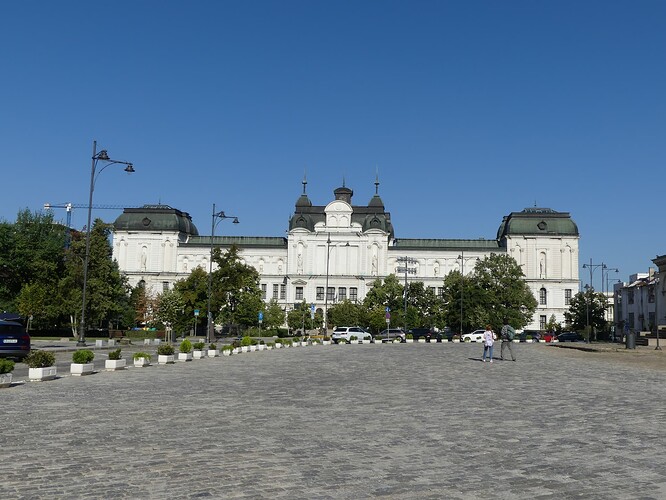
[(542, 297)]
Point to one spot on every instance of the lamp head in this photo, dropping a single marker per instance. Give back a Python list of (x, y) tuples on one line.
[(102, 155), (235, 221), (130, 168)]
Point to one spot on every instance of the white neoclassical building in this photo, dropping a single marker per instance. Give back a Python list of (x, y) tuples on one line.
[(335, 251)]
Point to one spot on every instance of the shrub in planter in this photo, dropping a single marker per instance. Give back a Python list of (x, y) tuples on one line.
[(166, 349), (198, 346), (353, 338), (114, 355), (40, 359), (246, 341), (6, 366), (138, 355), (185, 346), (212, 347), (327, 338), (83, 356), (227, 347), (410, 336)]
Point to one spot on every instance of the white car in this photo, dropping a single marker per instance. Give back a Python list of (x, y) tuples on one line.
[(475, 336), (345, 333)]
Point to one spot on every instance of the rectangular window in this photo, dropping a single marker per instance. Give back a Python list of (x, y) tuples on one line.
[(283, 292), (651, 324), (567, 297), (440, 292), (431, 289), (320, 293), (542, 322), (542, 297), (276, 290), (299, 293), (353, 294), (330, 293), (631, 296), (631, 321), (342, 294), (263, 291), (651, 295), (165, 286)]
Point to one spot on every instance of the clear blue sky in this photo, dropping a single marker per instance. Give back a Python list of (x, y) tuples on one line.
[(468, 110)]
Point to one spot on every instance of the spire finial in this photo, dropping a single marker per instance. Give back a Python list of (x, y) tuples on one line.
[(343, 181), (305, 180), (376, 180)]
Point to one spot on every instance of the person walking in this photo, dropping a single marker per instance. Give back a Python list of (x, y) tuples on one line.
[(507, 334), (488, 341)]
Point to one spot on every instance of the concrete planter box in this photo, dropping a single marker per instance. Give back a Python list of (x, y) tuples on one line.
[(236, 350), (252, 348), (278, 345), (146, 341), (226, 352), (197, 354), (141, 362), (166, 359), (79, 369), (516, 341), (185, 356), (456, 341), (5, 380), (112, 342), (213, 353), (39, 374), (366, 341), (112, 365), (99, 343), (261, 347), (421, 341), (325, 342)]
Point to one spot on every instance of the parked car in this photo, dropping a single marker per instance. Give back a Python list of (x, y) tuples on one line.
[(345, 333), (420, 332), (391, 334), (14, 341), (475, 336), (570, 337)]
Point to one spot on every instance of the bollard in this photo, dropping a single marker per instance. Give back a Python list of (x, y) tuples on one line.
[(99, 343), (631, 340)]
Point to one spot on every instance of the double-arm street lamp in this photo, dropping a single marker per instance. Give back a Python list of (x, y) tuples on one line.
[(592, 268), (217, 217), (101, 156), (328, 259)]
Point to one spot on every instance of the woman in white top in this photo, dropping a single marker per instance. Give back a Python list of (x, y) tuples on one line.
[(488, 340)]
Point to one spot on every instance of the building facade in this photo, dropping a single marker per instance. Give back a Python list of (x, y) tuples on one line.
[(335, 251)]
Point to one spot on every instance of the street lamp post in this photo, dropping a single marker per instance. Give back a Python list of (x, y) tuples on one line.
[(592, 268), (216, 218), (462, 278), (129, 168), (404, 268), (328, 258)]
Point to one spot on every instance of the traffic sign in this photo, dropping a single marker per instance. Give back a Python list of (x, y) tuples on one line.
[(196, 312)]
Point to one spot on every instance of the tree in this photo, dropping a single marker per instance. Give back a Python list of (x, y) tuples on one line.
[(383, 294), (466, 291), (347, 313), (274, 316), (585, 308), (168, 308), (502, 291), (194, 294)]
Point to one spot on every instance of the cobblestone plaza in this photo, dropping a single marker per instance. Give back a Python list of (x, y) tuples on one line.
[(343, 422)]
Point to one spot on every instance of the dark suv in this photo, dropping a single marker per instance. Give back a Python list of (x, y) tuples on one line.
[(427, 333)]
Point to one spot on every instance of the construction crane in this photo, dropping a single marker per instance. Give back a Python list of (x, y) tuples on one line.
[(68, 208)]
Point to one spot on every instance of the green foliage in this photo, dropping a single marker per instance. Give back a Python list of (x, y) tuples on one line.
[(299, 318), (139, 355), (40, 359), (168, 307), (247, 340), (83, 356), (198, 346), (6, 366), (212, 347), (409, 336), (347, 313), (185, 346), (115, 354), (584, 303), (553, 325), (166, 349), (227, 347), (274, 316)]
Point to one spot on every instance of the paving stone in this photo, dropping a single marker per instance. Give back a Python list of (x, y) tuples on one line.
[(367, 421)]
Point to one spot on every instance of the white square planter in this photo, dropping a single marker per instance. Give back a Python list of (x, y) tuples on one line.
[(278, 345), (166, 359), (261, 347), (112, 342), (185, 356), (456, 341), (529, 341), (269, 347), (325, 342), (421, 341), (115, 364), (516, 341), (197, 354), (5, 380), (236, 350), (226, 352), (39, 374), (365, 341), (409, 341), (99, 343), (146, 341), (141, 362), (244, 348), (213, 353), (252, 348), (78, 369)]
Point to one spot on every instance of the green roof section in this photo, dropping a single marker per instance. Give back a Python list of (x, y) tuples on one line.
[(239, 241), (155, 218), (444, 244), (537, 221)]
